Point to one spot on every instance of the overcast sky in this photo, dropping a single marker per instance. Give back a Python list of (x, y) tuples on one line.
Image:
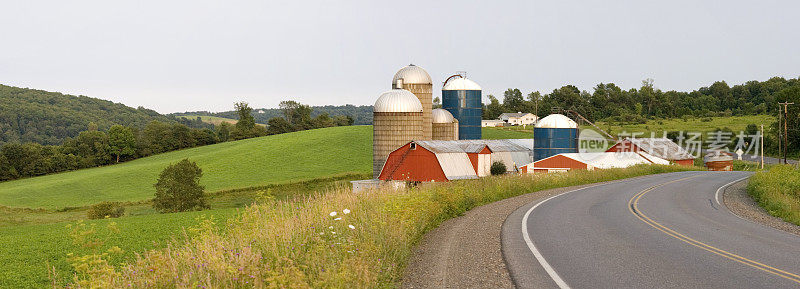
[(175, 56)]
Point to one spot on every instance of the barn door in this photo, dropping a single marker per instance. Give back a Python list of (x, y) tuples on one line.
[(484, 165)]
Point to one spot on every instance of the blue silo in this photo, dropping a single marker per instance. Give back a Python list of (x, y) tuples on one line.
[(462, 98), (553, 135)]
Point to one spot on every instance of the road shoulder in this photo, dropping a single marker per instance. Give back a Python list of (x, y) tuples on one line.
[(741, 204), (465, 252)]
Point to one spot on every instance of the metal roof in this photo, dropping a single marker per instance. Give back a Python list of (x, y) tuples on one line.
[(451, 146), (412, 74), (397, 100), (506, 151), (608, 160), (442, 116), (717, 156), (556, 121), (515, 114), (661, 147), (461, 84)]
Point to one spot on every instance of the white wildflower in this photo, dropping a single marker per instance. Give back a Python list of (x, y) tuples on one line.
[(332, 232), (331, 227), (337, 219), (333, 214), (346, 211), (351, 227)]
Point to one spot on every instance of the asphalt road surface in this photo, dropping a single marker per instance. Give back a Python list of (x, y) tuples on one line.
[(660, 231)]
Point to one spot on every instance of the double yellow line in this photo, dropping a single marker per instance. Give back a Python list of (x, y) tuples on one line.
[(633, 206)]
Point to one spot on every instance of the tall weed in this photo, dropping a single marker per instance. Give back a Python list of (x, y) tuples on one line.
[(333, 239)]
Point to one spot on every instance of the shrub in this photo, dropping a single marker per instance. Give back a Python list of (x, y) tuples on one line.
[(498, 168), (178, 188), (106, 209)]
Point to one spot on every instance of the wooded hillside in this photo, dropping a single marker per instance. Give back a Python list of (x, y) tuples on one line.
[(31, 115)]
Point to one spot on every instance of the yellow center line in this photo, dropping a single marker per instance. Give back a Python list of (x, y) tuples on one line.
[(633, 206)]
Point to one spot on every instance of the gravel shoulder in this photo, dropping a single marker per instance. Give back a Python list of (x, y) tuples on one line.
[(741, 204), (465, 252)]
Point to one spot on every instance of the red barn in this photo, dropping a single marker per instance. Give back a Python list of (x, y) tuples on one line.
[(659, 147), (430, 161)]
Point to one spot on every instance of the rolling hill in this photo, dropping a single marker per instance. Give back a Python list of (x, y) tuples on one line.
[(252, 162), (30, 115), (361, 114)]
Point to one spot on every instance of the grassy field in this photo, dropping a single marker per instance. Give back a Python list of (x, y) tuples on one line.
[(336, 240), (289, 157), (703, 125), (27, 251), (505, 133), (210, 119), (778, 191), (26, 244), (215, 120)]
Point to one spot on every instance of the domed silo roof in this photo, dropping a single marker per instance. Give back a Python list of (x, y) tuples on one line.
[(461, 84), (442, 116), (397, 100), (556, 121), (412, 74)]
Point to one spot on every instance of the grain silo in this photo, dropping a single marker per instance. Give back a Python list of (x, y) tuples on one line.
[(445, 126), (553, 135), (416, 80), (462, 98), (397, 120)]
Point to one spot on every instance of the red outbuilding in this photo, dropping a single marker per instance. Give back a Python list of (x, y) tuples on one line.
[(659, 147), (429, 161)]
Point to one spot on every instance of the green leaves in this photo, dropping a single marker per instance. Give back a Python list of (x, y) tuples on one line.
[(178, 188)]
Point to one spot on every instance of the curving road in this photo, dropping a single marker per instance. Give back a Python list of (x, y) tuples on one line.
[(660, 231)]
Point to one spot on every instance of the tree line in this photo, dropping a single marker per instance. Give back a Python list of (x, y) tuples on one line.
[(94, 147), (609, 102)]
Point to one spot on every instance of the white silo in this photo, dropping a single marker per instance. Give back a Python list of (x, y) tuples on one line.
[(445, 126), (416, 80), (397, 120)]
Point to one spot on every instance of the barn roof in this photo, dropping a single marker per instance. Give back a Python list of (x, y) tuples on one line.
[(607, 160), (471, 146), (661, 147)]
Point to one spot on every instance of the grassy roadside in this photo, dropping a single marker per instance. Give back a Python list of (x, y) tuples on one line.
[(30, 236), (778, 192), (333, 240)]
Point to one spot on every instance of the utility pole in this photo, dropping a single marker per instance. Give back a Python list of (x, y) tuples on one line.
[(780, 136), (785, 128), (762, 146)]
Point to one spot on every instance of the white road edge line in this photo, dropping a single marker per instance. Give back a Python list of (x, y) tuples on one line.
[(716, 195), (549, 269)]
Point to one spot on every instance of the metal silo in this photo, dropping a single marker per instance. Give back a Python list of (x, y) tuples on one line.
[(462, 98), (445, 126), (416, 80), (553, 135), (397, 120)]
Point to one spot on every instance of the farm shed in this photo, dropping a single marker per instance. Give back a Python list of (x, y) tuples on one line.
[(511, 152), (659, 147), (718, 161), (428, 161), (439, 161), (590, 161)]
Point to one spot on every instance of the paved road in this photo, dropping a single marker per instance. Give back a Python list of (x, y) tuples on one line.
[(661, 231)]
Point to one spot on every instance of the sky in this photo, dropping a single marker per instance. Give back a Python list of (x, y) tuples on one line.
[(175, 56)]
